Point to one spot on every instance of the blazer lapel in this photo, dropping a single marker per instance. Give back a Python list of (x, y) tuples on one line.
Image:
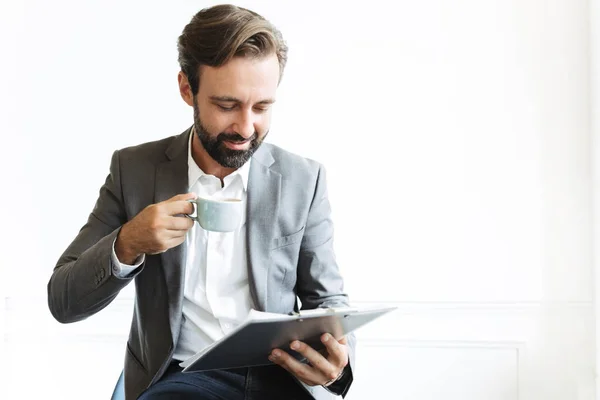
[(171, 180), (264, 186)]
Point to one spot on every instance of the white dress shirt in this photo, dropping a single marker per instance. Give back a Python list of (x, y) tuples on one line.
[(216, 295)]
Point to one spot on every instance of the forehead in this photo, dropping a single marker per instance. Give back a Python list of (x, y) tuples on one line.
[(245, 78)]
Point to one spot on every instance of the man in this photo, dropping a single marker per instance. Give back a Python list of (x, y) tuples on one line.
[(195, 286)]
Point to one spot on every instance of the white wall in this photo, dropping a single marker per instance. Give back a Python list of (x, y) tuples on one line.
[(456, 137), (595, 151)]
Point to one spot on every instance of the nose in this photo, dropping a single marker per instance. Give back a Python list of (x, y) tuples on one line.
[(245, 124)]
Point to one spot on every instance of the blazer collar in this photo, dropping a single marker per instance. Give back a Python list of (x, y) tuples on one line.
[(263, 195), (171, 180)]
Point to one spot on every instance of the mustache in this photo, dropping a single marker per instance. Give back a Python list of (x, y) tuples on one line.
[(235, 137)]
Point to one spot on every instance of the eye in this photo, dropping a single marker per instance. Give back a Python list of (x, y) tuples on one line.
[(261, 109), (225, 108)]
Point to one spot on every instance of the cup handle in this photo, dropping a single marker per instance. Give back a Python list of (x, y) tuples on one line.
[(193, 217)]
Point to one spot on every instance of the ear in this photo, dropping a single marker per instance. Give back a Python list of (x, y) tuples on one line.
[(185, 90)]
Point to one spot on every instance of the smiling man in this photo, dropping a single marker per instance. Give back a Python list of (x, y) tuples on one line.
[(194, 286)]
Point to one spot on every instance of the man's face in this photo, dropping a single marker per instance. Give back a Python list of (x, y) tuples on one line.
[(232, 110)]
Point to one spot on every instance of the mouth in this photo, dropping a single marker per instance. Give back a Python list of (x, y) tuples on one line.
[(237, 145)]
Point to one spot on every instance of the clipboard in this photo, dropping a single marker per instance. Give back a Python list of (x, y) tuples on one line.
[(251, 343)]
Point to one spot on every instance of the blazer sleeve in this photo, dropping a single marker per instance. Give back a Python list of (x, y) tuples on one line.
[(320, 283), (82, 282)]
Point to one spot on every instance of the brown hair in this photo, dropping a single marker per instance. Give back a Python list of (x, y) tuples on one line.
[(217, 34)]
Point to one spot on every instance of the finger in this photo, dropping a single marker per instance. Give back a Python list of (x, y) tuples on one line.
[(179, 224), (304, 372), (316, 359), (173, 242), (174, 235), (183, 196), (338, 352)]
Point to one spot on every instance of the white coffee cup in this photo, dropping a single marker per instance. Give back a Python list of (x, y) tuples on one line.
[(217, 215)]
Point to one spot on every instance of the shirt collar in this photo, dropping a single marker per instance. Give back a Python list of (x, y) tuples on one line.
[(195, 173)]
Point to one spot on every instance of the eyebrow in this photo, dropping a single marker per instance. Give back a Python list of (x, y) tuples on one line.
[(232, 99)]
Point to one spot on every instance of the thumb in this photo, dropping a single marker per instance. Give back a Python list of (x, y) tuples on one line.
[(184, 196)]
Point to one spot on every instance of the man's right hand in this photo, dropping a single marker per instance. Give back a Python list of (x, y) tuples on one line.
[(156, 229)]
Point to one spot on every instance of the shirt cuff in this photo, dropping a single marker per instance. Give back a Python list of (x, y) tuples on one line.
[(340, 386), (121, 270)]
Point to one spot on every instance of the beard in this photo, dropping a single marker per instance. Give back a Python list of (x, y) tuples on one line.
[(215, 147)]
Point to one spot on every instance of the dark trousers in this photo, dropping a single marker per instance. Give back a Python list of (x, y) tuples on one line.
[(255, 383)]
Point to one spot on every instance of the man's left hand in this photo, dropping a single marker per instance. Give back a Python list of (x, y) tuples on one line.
[(323, 369)]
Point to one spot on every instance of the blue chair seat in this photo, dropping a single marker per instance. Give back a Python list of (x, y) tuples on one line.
[(119, 392)]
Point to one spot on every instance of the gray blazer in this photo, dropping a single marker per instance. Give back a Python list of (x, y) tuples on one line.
[(290, 251)]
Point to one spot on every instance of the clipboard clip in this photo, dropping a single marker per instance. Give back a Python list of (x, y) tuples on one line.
[(321, 311)]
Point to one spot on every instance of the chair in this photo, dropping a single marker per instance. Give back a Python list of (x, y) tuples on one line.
[(119, 392)]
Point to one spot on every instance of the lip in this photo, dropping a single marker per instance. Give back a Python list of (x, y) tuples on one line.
[(237, 146)]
